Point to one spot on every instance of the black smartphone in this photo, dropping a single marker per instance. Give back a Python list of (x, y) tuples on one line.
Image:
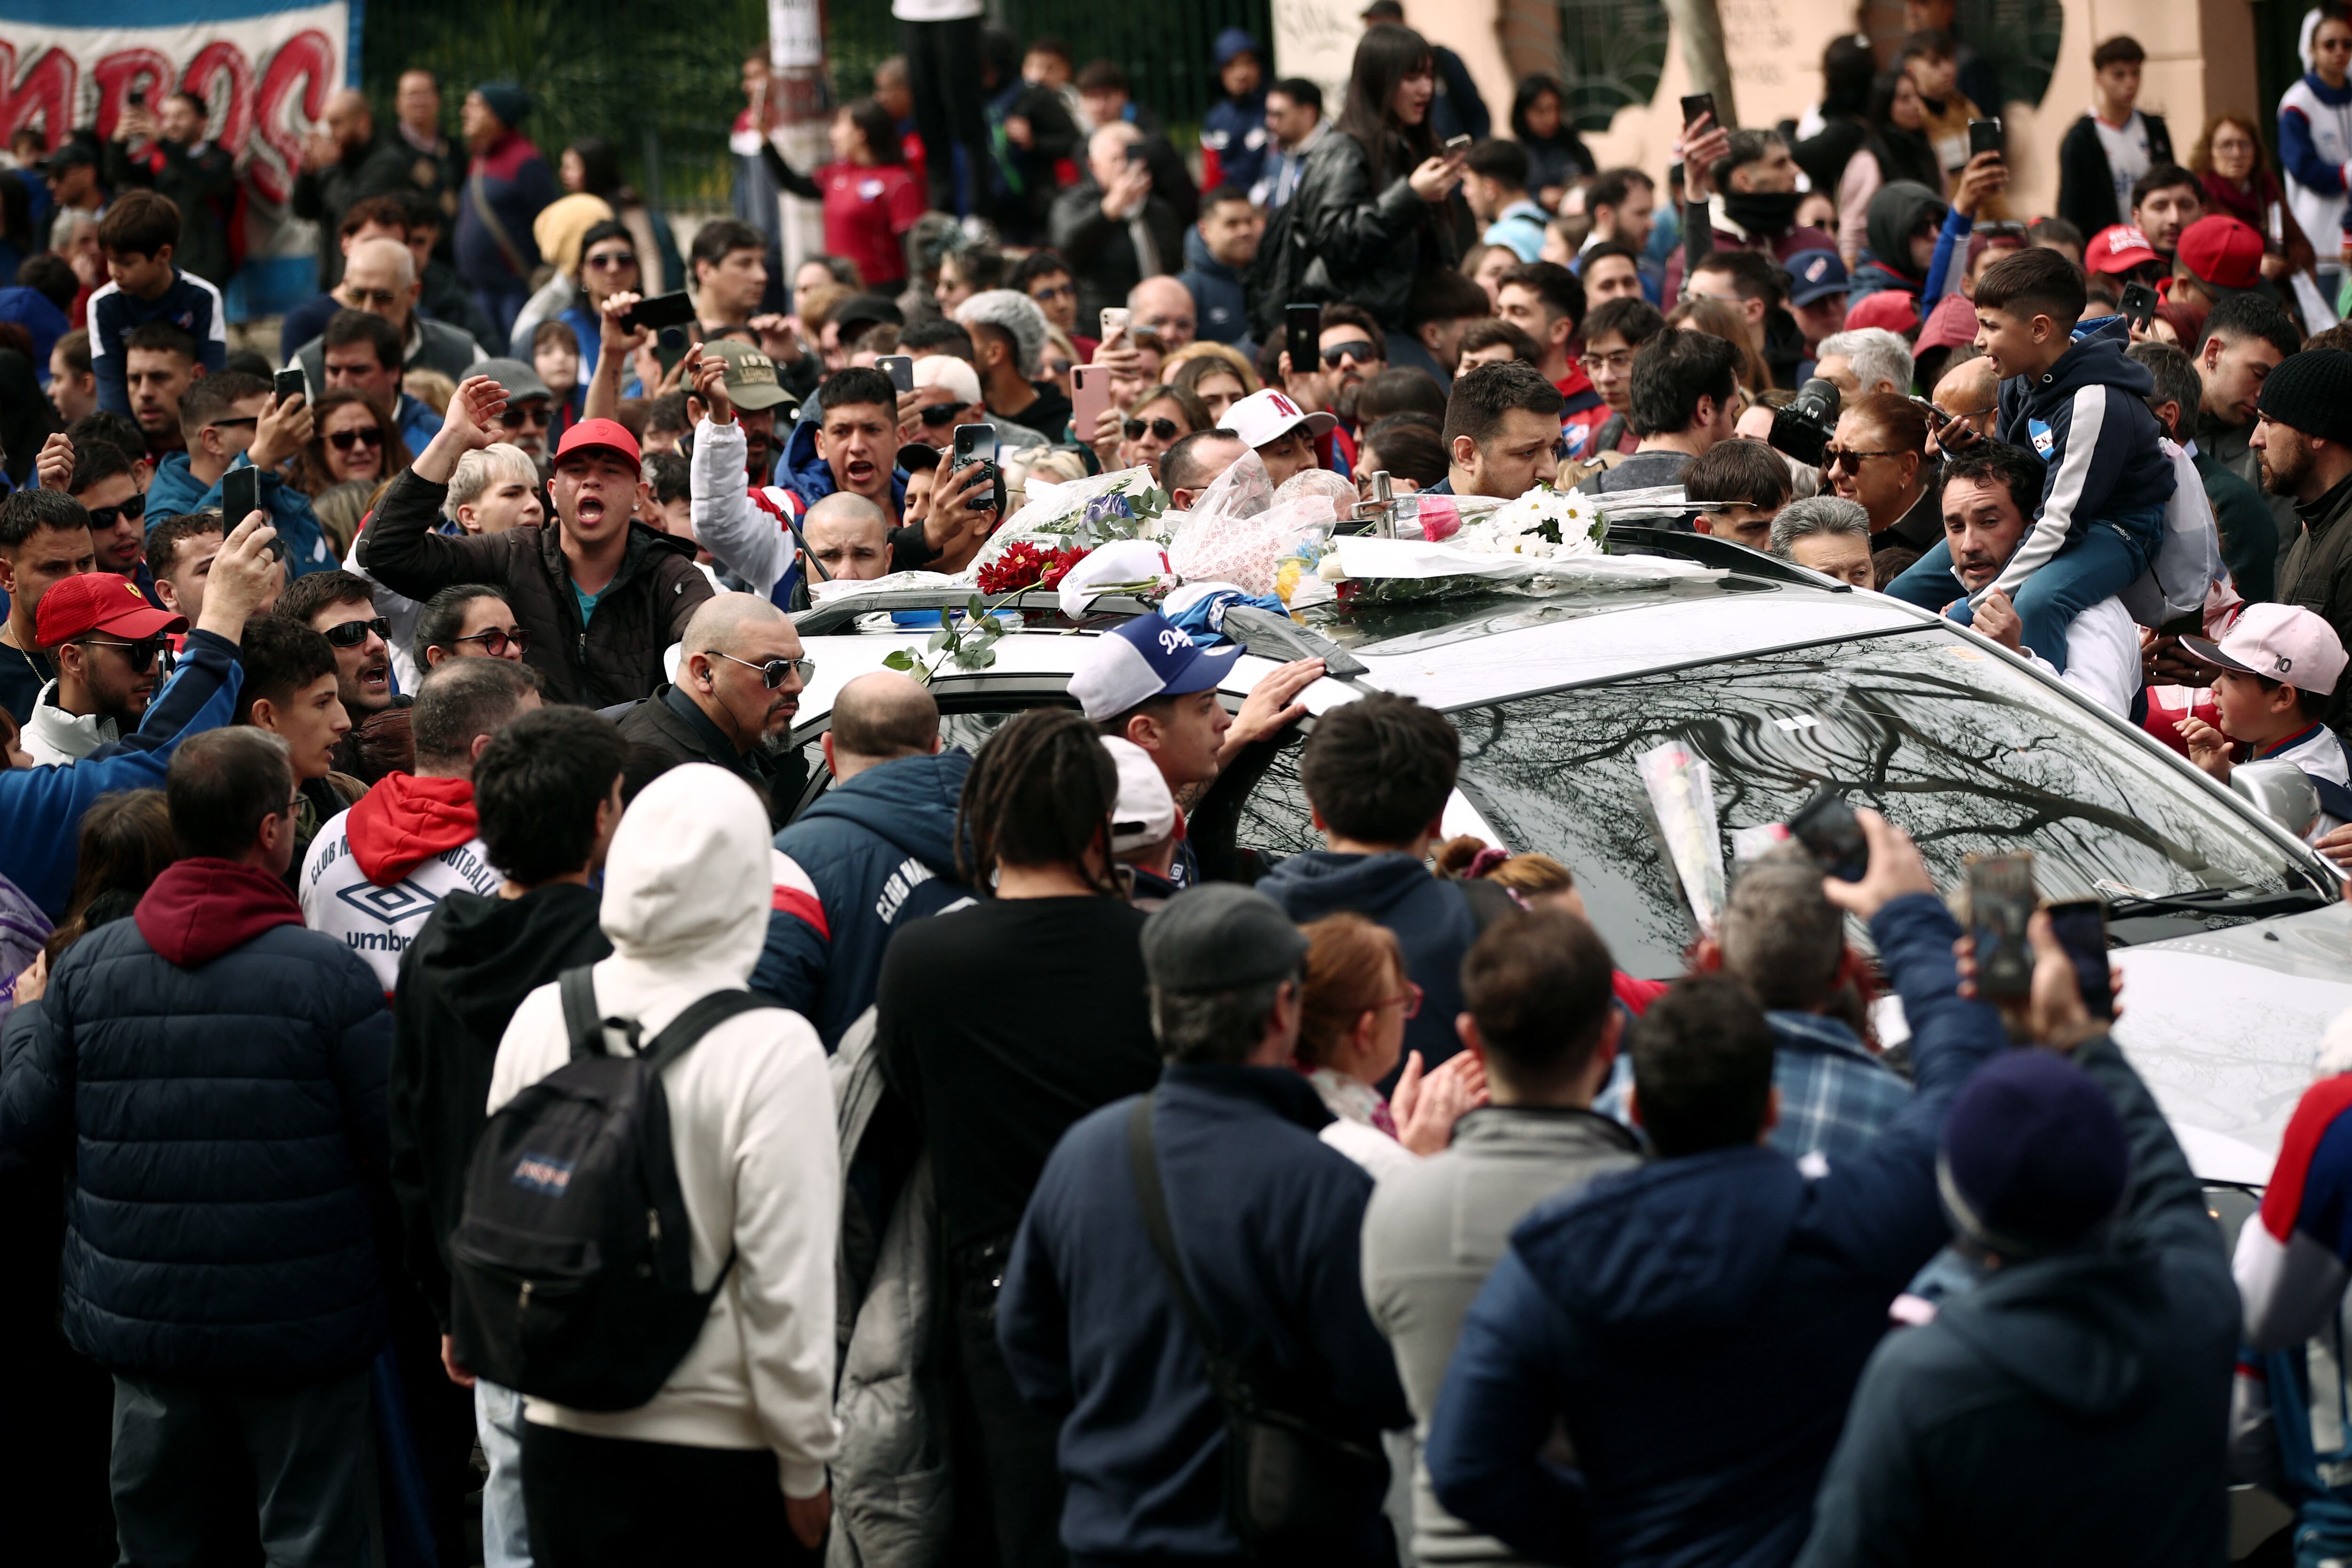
[(288, 386), (1459, 143), (1984, 136), (2081, 928), (977, 444), (136, 98), (672, 309), (1695, 104), (2000, 903), (2139, 304), (1827, 826), (1135, 152), (669, 347), (899, 368), (241, 497), (1303, 329)]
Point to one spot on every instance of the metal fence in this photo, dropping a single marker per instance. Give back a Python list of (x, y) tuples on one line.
[(664, 95)]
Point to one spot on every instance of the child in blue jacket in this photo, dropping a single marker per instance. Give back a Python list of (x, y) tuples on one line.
[(2078, 403)]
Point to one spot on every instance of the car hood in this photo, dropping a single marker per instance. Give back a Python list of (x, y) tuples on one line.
[(2225, 1026)]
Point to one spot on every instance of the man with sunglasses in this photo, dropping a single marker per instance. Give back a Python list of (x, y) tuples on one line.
[(233, 421), (105, 640), (529, 413), (600, 595), (340, 606), (739, 686), (105, 482)]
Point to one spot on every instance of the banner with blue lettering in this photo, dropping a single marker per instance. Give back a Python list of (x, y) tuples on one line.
[(263, 68)]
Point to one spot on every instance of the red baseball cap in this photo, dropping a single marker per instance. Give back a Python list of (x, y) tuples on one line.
[(600, 435), (1952, 322), (1892, 309), (2222, 251), (2119, 247), (100, 602)]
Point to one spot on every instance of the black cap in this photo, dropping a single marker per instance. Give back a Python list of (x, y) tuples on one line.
[(75, 153), (859, 311), (918, 455), (1221, 937), (1382, 11), (2311, 391)]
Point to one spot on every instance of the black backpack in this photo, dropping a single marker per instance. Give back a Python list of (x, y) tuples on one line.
[(572, 1270)]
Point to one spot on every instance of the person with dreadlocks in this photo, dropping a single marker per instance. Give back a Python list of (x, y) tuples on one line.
[(998, 1025)]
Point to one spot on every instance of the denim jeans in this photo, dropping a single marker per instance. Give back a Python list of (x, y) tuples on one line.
[(2098, 563), (506, 1534)]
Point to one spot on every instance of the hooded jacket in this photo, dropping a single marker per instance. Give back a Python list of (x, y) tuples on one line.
[(41, 808), (615, 656), (2108, 1365), (1898, 211), (1431, 917), (470, 965), (870, 856), (751, 1126), (222, 1071), (2086, 417), (174, 492), (1725, 1282), (375, 872)]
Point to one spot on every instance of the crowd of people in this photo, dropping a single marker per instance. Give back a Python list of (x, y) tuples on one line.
[(465, 1088)]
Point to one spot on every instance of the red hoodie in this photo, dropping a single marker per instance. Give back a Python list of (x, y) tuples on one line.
[(405, 821), (201, 907)]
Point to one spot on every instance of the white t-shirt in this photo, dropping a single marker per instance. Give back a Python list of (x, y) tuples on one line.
[(378, 924), (2128, 155), (2103, 656)]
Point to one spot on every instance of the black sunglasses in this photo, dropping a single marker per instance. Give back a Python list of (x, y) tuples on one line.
[(943, 413), (350, 634), (1164, 428), (103, 518), (772, 673), (344, 440), (516, 417), (141, 654), (496, 642), (1358, 349)]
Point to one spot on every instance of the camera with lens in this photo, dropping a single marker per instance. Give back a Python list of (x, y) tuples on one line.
[(1803, 428)]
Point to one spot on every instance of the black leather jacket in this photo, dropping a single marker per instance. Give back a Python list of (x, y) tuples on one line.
[(1365, 245)]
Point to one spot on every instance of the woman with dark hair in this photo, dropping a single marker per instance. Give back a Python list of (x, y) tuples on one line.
[(871, 198), (2234, 173), (1835, 131), (1895, 149), (611, 259), (350, 439), (125, 843), (998, 1026), (592, 166), (1556, 154), (1407, 448), (1378, 204)]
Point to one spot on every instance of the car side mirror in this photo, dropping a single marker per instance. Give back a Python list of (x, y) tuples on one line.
[(2280, 791)]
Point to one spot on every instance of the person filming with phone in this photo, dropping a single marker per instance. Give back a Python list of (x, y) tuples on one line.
[(1112, 226), (234, 421)]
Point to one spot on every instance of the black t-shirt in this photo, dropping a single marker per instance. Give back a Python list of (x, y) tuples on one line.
[(1000, 1024), (1049, 415), (22, 676)]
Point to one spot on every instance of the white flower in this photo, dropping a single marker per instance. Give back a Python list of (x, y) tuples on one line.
[(1529, 526)]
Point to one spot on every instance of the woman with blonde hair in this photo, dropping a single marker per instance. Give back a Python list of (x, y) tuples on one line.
[(1157, 418), (1351, 1021)]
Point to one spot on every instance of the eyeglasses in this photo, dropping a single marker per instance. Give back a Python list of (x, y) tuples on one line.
[(1055, 291), (1358, 349), (943, 413), (1411, 1000), (350, 634), (1850, 461), (1165, 429), (1617, 361), (103, 518), (141, 654), (344, 440), (496, 642), (516, 417), (605, 260), (772, 673), (360, 299)]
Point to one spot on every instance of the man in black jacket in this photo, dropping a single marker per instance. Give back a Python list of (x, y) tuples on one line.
[(169, 153), (2107, 150), (739, 686), (343, 164), (548, 795), (601, 595), (1116, 226)]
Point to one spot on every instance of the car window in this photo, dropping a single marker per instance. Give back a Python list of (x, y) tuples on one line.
[(1274, 819), (1965, 752), (968, 722)]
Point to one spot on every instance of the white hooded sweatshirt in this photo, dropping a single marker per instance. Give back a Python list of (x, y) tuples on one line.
[(686, 890)]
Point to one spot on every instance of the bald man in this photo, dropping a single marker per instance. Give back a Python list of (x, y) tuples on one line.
[(739, 686), (848, 537), (1165, 306), (380, 278), (1117, 226), (873, 852), (1970, 393), (343, 164)]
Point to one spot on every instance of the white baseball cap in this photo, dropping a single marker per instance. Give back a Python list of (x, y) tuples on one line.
[(1265, 417), (1142, 658), (950, 374), (2284, 642), (1146, 813)]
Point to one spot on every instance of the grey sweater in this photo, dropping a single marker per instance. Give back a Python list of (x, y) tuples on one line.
[(1431, 1235)]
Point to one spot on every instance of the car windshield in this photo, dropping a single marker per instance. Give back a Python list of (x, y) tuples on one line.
[(1966, 752)]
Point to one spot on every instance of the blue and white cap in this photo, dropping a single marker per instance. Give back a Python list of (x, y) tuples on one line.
[(1147, 658)]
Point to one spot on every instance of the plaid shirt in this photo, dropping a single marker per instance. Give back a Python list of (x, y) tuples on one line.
[(1835, 1096)]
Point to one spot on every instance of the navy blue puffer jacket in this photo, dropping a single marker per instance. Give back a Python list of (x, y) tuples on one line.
[(222, 1071)]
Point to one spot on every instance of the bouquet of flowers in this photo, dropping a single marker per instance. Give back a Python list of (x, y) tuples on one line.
[(1543, 524), (1022, 564)]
